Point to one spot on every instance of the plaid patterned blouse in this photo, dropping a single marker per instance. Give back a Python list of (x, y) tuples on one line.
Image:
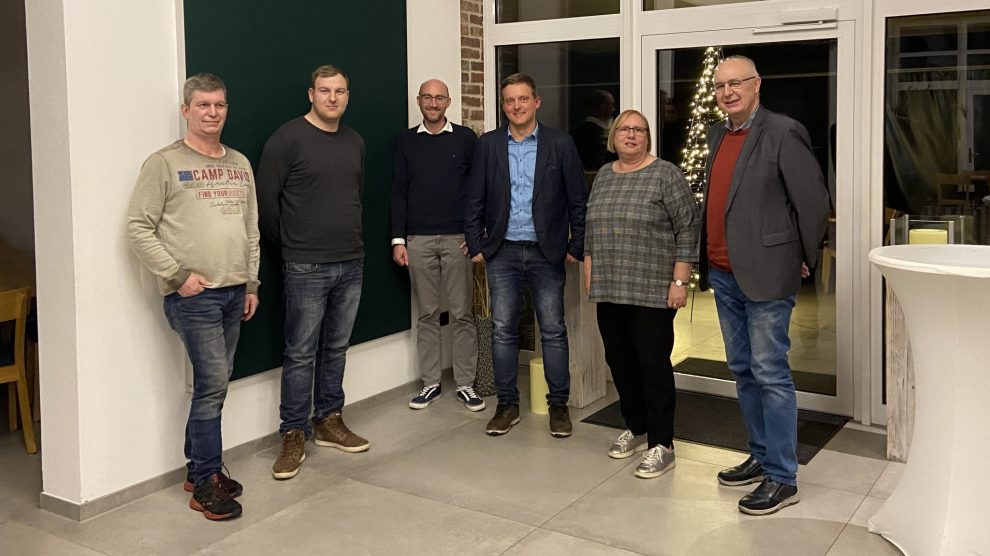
[(637, 226)]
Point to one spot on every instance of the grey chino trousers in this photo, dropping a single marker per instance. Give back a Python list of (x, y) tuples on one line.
[(436, 260)]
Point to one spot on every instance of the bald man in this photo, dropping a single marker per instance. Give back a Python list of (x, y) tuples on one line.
[(764, 216), (432, 161)]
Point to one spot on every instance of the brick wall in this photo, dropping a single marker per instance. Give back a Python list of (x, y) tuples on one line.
[(472, 65)]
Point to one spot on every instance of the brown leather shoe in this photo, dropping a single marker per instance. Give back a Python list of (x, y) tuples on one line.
[(560, 420), (292, 455), (332, 432)]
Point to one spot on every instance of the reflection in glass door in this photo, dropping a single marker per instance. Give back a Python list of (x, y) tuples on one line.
[(800, 78)]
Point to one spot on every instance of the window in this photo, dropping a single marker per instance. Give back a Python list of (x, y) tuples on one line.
[(512, 11), (936, 132)]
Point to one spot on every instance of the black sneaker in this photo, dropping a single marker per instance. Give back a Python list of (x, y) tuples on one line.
[(769, 497), (560, 420), (505, 417), (427, 395), (214, 500), (747, 472), (233, 487), (470, 399)]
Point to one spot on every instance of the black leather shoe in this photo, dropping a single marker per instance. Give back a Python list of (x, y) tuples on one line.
[(505, 417), (769, 497), (747, 472)]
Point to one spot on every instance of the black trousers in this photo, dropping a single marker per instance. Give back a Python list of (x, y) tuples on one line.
[(638, 342)]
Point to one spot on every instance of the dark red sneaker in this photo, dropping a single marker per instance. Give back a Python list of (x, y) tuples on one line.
[(214, 501), (233, 487)]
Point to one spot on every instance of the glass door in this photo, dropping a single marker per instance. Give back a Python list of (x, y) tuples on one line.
[(807, 74)]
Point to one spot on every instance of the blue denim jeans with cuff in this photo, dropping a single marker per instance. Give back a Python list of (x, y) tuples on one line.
[(518, 264), (321, 303), (756, 344), (209, 324)]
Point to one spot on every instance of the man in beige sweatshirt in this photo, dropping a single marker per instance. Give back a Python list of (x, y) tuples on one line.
[(193, 222)]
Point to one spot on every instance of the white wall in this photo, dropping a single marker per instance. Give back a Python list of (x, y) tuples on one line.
[(433, 31), (16, 223), (104, 95)]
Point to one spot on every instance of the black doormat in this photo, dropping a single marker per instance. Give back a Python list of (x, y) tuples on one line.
[(804, 381), (717, 421)]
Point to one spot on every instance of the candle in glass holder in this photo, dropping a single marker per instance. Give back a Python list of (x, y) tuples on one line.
[(927, 235)]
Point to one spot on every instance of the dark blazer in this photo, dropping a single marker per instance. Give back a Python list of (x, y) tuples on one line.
[(559, 195), (775, 216)]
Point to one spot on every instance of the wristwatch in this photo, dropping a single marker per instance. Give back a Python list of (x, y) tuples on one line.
[(680, 283)]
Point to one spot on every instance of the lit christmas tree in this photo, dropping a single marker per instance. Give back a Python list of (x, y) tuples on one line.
[(704, 112)]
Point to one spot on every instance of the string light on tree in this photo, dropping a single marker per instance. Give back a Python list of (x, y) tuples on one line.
[(704, 112)]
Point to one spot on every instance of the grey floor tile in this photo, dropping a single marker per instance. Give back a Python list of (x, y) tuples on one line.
[(708, 454), (888, 480), (391, 430), (859, 443), (162, 523), (785, 535), (676, 513), (28, 541), (870, 506), (355, 518), (842, 471), (857, 541), (525, 475), (550, 543)]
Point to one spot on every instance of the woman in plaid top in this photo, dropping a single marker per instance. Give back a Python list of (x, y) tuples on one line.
[(642, 233)]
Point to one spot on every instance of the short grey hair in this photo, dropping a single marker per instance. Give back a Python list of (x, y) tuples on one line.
[(203, 82)]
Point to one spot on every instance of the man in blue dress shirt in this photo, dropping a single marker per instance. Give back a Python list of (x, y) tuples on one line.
[(524, 217)]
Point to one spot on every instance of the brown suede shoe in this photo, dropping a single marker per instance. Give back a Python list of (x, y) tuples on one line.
[(505, 417), (560, 420), (292, 455), (332, 432)]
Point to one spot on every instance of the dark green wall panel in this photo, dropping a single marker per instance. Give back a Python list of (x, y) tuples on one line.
[(265, 52)]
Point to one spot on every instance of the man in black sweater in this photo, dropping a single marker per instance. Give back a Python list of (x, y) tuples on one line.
[(432, 161), (310, 182)]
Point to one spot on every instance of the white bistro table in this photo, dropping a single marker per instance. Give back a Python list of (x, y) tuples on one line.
[(942, 504)]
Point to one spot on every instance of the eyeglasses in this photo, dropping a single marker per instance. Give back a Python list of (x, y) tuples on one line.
[(439, 99), (337, 92), (734, 84), (630, 131)]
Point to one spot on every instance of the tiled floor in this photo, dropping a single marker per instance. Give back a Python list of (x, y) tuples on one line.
[(434, 483)]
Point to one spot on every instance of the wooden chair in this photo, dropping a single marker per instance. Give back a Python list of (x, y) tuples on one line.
[(953, 189), (14, 307)]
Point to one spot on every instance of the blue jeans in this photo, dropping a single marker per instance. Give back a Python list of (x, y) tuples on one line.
[(321, 303), (209, 324), (756, 344), (516, 264)]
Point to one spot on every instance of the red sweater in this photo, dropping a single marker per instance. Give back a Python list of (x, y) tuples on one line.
[(718, 193)]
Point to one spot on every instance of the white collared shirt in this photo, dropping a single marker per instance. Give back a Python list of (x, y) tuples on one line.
[(447, 128)]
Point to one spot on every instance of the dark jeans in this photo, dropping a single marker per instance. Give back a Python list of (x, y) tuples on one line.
[(321, 303), (756, 344), (209, 324), (514, 265), (638, 342)]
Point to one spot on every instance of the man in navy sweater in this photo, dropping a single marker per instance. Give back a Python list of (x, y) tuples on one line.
[(432, 161)]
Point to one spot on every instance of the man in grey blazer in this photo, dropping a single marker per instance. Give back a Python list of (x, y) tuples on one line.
[(765, 213), (524, 217)]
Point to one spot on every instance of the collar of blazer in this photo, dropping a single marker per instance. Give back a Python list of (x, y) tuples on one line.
[(752, 139), (544, 150)]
